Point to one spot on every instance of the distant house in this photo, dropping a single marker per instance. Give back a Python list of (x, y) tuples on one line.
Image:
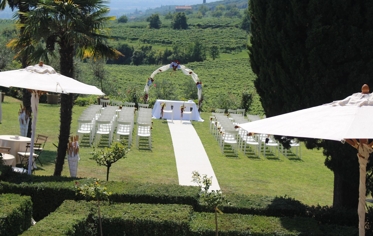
[(183, 8)]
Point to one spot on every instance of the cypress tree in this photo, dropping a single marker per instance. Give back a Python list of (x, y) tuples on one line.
[(311, 52)]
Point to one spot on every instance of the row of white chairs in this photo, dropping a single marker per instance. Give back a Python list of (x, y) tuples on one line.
[(103, 121), (108, 102), (227, 131), (224, 131), (231, 111), (144, 127)]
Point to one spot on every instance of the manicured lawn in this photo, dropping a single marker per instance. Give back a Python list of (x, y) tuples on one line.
[(307, 180)]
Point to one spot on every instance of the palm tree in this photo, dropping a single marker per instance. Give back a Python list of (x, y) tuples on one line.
[(23, 6), (77, 27)]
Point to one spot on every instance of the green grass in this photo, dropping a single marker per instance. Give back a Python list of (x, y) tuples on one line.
[(307, 180)]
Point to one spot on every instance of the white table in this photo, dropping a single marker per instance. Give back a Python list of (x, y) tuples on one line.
[(9, 159), (176, 110), (16, 144)]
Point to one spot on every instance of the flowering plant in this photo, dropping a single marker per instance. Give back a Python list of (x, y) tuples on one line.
[(163, 105), (199, 85), (95, 191), (182, 107), (150, 81)]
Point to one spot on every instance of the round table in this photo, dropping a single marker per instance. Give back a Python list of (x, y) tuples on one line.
[(16, 143), (9, 159)]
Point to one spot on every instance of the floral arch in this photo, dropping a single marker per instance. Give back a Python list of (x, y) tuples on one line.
[(175, 66)]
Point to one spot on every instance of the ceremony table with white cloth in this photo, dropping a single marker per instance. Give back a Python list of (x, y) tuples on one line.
[(16, 143), (176, 110)]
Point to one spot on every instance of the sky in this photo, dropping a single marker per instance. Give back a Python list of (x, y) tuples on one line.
[(129, 6)]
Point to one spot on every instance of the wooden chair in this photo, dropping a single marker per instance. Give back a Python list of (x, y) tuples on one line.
[(24, 155), (42, 139), (5, 150)]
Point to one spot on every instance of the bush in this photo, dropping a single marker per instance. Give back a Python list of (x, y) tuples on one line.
[(123, 19), (16, 212), (84, 101)]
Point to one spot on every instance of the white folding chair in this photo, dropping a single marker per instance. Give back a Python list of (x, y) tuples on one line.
[(143, 105), (218, 110), (129, 104), (253, 117), (144, 132), (124, 128), (86, 127), (103, 128), (116, 103), (229, 138), (268, 141), (248, 142), (241, 111), (294, 145), (104, 102), (232, 111)]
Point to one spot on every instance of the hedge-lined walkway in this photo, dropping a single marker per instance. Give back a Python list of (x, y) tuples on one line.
[(190, 154)]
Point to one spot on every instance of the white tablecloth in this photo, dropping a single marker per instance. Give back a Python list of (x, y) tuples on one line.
[(15, 144), (176, 110), (9, 159)]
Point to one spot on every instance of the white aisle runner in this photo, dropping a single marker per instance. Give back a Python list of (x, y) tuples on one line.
[(190, 154)]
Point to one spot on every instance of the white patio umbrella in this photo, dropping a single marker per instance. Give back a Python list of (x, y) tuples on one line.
[(344, 120), (43, 78)]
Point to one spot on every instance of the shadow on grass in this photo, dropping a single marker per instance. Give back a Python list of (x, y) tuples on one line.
[(292, 156), (297, 217), (229, 152), (47, 158), (253, 156)]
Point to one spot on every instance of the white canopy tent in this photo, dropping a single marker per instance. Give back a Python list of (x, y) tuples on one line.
[(43, 78), (344, 120)]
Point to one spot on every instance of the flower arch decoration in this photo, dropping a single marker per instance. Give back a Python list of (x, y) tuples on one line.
[(175, 65)]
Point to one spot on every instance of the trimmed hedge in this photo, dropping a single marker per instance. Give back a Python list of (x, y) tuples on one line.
[(71, 218), (15, 214), (289, 207), (80, 218), (153, 193), (239, 225), (48, 193), (146, 219)]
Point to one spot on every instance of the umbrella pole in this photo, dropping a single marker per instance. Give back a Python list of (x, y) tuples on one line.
[(362, 192), (34, 107)]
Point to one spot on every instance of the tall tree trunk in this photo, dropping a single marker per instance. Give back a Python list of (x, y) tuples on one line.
[(26, 95), (346, 192), (67, 69), (107, 172), (216, 223)]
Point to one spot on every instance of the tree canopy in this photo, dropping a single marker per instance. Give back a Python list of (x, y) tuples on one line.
[(74, 27), (154, 21), (307, 53), (123, 19), (179, 21)]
